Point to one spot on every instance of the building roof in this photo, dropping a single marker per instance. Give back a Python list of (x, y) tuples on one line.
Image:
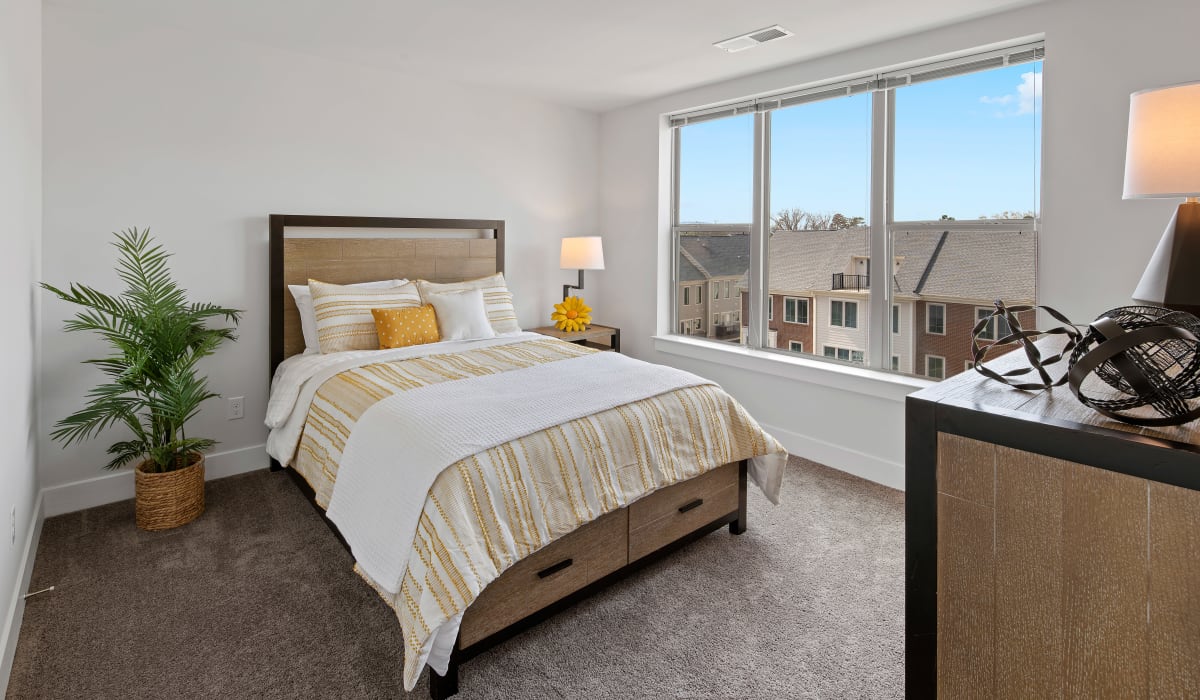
[(979, 265), (721, 255)]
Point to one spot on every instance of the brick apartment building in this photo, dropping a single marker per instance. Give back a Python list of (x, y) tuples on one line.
[(942, 282)]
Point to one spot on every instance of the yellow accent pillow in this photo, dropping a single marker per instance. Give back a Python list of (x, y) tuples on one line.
[(400, 328)]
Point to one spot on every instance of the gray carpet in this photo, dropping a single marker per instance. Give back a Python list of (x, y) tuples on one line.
[(257, 598)]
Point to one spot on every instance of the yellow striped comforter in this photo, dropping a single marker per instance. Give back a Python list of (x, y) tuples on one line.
[(486, 512)]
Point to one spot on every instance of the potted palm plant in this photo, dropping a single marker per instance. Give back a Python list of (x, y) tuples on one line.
[(152, 386)]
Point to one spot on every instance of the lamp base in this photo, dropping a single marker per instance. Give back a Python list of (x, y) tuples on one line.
[(1172, 279)]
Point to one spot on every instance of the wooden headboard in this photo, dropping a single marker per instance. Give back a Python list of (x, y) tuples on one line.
[(337, 249)]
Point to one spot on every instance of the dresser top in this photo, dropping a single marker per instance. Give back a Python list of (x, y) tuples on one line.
[(1056, 405)]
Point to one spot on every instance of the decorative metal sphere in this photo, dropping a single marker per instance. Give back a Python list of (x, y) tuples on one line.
[(1026, 339), (1134, 357)]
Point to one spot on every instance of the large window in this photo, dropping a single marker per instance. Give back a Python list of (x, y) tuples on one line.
[(912, 194), (795, 310), (843, 314), (996, 327), (935, 319)]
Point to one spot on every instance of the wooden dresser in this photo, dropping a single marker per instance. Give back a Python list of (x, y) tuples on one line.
[(1050, 552)]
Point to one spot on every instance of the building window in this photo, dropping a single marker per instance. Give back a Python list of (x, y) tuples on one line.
[(961, 176), (716, 290), (895, 363), (687, 296), (795, 310), (844, 354), (699, 294), (998, 323), (968, 365), (935, 319), (843, 314), (935, 367), (795, 346), (728, 288)]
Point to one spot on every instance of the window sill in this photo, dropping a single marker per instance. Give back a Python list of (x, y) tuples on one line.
[(860, 380)]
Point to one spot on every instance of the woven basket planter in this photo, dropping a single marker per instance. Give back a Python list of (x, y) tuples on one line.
[(165, 500)]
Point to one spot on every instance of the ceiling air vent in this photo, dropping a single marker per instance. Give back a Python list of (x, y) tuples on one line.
[(751, 39)]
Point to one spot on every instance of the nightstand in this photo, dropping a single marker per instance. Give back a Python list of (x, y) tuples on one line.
[(594, 337)]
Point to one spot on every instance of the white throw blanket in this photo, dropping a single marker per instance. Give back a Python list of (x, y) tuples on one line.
[(401, 444)]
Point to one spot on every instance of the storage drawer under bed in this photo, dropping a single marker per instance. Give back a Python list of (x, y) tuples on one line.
[(670, 513), (549, 574)]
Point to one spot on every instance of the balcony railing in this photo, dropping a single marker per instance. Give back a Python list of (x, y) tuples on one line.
[(843, 281)]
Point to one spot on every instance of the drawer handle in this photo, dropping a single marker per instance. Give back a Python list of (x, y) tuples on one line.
[(554, 569), (693, 504)]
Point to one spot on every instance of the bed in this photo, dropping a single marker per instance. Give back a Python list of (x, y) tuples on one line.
[(499, 517)]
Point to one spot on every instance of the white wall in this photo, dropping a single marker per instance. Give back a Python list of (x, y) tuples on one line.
[(1093, 248), (21, 230), (201, 139)]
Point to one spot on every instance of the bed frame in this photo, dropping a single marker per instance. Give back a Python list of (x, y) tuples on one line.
[(348, 249)]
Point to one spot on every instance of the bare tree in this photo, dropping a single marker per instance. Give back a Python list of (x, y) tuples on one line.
[(1026, 214), (796, 219)]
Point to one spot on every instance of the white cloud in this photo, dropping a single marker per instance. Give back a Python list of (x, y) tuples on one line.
[(1024, 101)]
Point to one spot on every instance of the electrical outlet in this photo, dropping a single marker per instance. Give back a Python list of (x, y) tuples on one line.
[(235, 408), (12, 527)]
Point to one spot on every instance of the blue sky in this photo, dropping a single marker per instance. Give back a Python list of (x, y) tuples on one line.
[(966, 146)]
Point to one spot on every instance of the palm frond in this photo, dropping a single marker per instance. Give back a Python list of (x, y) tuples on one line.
[(156, 337)]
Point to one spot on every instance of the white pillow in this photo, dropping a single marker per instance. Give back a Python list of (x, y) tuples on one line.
[(461, 315), (308, 318), (496, 298), (344, 318)]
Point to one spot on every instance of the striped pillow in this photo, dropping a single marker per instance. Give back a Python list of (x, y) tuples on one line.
[(496, 299), (344, 319)]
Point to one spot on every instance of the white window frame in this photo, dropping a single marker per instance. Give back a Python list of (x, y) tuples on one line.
[(807, 310), (995, 334), (715, 289), (968, 365), (882, 86), (700, 294), (796, 345), (687, 294), (928, 316), (896, 321), (935, 357), (849, 354), (843, 302)]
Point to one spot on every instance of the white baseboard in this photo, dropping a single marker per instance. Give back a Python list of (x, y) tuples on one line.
[(16, 607), (118, 486), (842, 458)]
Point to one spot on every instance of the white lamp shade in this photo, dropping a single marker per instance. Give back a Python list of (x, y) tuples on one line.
[(1162, 156), (582, 253)]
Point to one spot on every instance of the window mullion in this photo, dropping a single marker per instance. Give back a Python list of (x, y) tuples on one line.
[(673, 290), (879, 289), (757, 335)]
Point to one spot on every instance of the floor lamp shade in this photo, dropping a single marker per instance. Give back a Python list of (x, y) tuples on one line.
[(1162, 159)]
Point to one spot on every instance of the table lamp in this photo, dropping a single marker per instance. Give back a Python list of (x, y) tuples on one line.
[(580, 253), (1162, 159)]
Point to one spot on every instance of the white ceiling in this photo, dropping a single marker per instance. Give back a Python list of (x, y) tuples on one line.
[(595, 55)]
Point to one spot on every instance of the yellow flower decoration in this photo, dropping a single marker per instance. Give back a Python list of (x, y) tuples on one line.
[(571, 315)]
